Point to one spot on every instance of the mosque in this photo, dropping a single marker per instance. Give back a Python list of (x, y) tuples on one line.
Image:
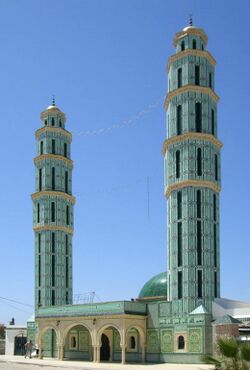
[(179, 313)]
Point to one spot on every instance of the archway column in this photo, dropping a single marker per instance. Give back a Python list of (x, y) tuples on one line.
[(61, 349), (143, 354), (98, 354), (123, 347)]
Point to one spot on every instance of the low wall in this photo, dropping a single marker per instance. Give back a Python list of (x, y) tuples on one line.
[(2, 346)]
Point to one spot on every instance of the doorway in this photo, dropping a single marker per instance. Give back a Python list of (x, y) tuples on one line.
[(105, 348)]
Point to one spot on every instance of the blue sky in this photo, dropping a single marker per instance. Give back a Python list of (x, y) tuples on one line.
[(106, 63)]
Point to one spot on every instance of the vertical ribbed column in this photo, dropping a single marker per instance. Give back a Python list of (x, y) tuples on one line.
[(192, 174), (53, 211)]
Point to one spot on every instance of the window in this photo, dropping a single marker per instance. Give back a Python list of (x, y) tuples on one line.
[(53, 218), (179, 205), (179, 284), (199, 165), (65, 150), (67, 272), (177, 164), (52, 121), (199, 249), (214, 206), (41, 148), (179, 243), (198, 117), (66, 244), (60, 123), (210, 80), (215, 284), (39, 297), (194, 44), (132, 342), (67, 215), (66, 182), (53, 269), (198, 204), (40, 179), (179, 119), (199, 284), (39, 260), (53, 243), (215, 246), (45, 122), (53, 297), (212, 122), (179, 77), (53, 178), (182, 45), (181, 342), (53, 146), (216, 167), (197, 75), (67, 298), (202, 47), (38, 213), (73, 342)]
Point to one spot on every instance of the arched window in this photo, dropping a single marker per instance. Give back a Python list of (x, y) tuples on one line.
[(199, 247), (182, 45), (73, 342), (41, 148), (181, 342), (198, 204), (38, 213), (45, 122), (53, 213), (198, 117), (202, 47), (179, 120), (179, 284), (67, 298), (53, 243), (210, 80), (197, 75), (67, 215), (212, 122), (177, 164), (66, 181), (179, 205), (179, 77), (65, 150), (215, 284), (52, 121), (132, 342), (194, 44), (40, 179), (60, 123), (53, 178), (179, 243), (216, 167), (214, 206), (199, 164), (53, 146), (215, 246), (53, 300), (199, 284)]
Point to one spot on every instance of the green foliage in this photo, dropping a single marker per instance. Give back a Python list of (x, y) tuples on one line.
[(232, 355)]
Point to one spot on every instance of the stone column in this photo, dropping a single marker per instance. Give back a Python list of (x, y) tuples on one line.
[(61, 352), (98, 354), (123, 353), (143, 354)]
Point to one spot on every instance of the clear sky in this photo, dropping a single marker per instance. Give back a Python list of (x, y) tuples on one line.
[(105, 62)]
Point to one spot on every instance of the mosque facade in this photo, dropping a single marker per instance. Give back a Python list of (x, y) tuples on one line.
[(179, 313)]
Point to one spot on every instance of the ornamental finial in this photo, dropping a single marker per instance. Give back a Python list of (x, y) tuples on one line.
[(53, 100), (190, 20)]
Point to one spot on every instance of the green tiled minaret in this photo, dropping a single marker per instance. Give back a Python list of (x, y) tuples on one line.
[(53, 210), (192, 174)]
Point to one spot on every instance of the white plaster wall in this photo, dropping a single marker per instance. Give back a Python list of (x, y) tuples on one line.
[(11, 332)]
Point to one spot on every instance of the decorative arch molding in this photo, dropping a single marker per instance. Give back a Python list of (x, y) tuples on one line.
[(106, 326), (140, 331), (42, 331), (66, 329)]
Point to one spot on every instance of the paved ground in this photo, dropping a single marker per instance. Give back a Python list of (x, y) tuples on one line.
[(20, 363)]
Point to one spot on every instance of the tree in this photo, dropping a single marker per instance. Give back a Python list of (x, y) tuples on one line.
[(232, 355), (2, 331)]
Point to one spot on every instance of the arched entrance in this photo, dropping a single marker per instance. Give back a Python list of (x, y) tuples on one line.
[(19, 349), (78, 344), (105, 348), (49, 344), (110, 344)]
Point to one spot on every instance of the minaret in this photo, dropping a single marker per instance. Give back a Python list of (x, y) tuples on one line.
[(53, 211), (192, 174)]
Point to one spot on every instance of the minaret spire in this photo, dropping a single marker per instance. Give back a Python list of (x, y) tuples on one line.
[(53, 100), (190, 20)]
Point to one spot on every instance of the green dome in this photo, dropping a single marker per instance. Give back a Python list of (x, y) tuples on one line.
[(155, 287)]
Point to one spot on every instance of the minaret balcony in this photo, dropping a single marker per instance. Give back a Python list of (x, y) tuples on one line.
[(66, 229), (188, 88), (58, 130), (44, 157), (191, 52), (191, 183), (52, 193)]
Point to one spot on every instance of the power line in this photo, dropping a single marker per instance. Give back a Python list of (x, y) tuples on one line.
[(124, 123), (12, 300)]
